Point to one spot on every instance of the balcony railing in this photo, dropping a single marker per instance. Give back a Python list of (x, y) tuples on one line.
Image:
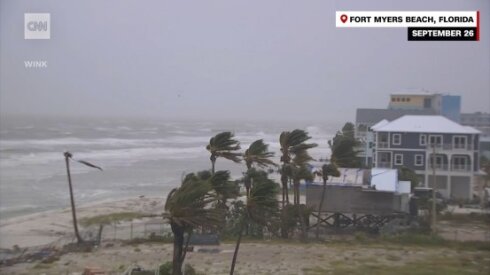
[(383, 165), (452, 147), (461, 167), (382, 144), (443, 167), (454, 167)]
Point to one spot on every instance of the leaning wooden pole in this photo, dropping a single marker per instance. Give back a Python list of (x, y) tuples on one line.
[(72, 200)]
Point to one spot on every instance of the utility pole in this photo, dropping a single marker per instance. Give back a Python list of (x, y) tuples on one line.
[(68, 155), (434, 189)]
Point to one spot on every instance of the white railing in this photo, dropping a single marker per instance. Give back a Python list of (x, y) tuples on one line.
[(383, 165), (452, 147), (461, 167)]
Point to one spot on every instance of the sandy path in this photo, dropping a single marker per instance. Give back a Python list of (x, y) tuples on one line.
[(254, 258)]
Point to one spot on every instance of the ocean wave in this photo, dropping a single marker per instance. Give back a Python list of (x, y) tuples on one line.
[(110, 156), (109, 142)]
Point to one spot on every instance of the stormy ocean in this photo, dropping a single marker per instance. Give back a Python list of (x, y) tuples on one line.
[(139, 157)]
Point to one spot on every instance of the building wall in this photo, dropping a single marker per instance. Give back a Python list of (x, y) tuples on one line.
[(412, 140), (407, 102), (451, 107)]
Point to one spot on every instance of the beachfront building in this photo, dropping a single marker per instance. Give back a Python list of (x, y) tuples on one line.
[(409, 102), (417, 142)]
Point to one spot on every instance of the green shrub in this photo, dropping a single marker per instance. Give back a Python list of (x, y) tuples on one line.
[(165, 269)]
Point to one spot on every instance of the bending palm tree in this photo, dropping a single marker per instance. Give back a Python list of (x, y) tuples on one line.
[(257, 153), (292, 143), (223, 145), (260, 207), (327, 170), (187, 207)]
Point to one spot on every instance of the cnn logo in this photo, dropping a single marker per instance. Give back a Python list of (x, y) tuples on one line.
[(37, 26)]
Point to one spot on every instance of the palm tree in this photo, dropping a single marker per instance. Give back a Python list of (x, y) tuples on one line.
[(223, 145), (260, 206), (344, 148), (327, 170), (187, 207), (257, 153), (300, 172), (69, 156), (292, 143)]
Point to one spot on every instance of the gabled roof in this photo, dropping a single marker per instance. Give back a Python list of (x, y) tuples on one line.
[(381, 123), (425, 124)]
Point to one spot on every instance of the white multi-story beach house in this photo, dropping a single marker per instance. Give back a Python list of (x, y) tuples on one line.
[(417, 142)]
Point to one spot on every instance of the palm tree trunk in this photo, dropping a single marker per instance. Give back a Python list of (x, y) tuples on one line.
[(72, 200), (296, 191), (237, 247), (186, 245), (285, 197), (320, 207), (213, 162), (302, 222), (177, 260)]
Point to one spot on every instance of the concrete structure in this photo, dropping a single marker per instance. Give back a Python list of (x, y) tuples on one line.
[(356, 200), (410, 140), (445, 105)]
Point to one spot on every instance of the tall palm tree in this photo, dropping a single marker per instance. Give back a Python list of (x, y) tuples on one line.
[(326, 171), (186, 208), (69, 156), (292, 143), (257, 154), (223, 145), (300, 172), (260, 206)]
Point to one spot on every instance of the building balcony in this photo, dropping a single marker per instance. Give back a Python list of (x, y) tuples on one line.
[(383, 165), (461, 167), (452, 147)]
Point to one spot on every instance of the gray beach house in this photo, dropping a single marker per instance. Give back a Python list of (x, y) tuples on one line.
[(417, 141)]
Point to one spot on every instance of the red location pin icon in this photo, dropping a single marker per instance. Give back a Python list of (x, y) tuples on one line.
[(343, 18)]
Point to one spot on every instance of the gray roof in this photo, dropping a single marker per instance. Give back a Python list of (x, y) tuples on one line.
[(425, 124), (372, 116)]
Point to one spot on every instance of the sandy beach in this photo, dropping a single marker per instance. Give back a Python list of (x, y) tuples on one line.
[(50, 226)]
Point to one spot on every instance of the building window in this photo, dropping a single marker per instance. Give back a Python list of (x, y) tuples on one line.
[(437, 162), (423, 140), (408, 99), (398, 159), (459, 142), (460, 163), (397, 139), (435, 140), (419, 160)]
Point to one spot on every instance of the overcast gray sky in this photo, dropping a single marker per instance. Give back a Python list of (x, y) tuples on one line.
[(235, 59)]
